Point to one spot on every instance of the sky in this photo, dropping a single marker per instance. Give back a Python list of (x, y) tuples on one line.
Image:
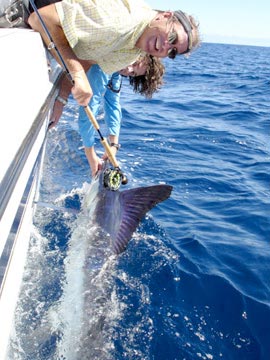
[(244, 22)]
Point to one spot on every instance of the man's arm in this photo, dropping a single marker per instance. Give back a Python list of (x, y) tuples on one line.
[(65, 87), (81, 89)]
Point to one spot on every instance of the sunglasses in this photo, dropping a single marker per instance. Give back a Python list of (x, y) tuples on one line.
[(173, 38)]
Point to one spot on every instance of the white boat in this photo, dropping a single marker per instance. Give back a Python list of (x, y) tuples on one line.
[(27, 92)]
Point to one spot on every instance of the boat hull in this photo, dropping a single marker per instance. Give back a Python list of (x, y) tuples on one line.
[(29, 87)]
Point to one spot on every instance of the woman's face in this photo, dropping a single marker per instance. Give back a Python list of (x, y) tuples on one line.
[(136, 69)]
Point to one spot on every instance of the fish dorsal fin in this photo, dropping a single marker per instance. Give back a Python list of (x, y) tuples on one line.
[(135, 203)]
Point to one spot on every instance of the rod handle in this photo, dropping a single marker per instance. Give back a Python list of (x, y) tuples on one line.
[(109, 153), (102, 140), (91, 117)]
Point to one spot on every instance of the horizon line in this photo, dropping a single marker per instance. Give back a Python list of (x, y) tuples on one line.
[(236, 40)]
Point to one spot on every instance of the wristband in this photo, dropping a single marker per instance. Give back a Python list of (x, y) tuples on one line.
[(61, 100), (117, 146)]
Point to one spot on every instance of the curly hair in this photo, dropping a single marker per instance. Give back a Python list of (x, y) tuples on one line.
[(152, 80)]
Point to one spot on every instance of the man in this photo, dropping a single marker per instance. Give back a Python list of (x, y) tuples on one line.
[(112, 33), (146, 77)]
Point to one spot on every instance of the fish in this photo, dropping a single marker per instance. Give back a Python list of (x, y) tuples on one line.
[(118, 213), (89, 305)]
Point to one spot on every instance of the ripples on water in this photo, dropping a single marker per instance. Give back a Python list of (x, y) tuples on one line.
[(194, 281)]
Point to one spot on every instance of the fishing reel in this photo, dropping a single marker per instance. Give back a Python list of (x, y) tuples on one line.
[(113, 178)]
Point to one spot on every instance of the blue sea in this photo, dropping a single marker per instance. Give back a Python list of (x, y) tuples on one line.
[(194, 282)]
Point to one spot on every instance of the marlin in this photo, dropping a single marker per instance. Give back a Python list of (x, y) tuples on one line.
[(118, 213), (102, 230)]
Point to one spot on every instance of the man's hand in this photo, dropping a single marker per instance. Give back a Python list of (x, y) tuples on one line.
[(81, 90)]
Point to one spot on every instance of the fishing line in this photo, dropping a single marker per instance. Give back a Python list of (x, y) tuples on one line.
[(51, 44), (116, 171)]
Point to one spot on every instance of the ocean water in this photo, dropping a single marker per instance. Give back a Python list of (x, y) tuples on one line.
[(194, 282)]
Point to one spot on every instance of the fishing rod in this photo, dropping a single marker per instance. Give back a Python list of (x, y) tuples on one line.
[(114, 177)]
